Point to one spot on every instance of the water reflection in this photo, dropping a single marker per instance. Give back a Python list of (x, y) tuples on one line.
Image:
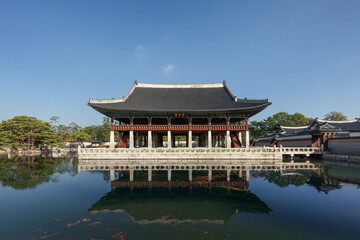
[(171, 205), (24, 172), (183, 199), (189, 191)]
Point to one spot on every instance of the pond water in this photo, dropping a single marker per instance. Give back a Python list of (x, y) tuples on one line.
[(45, 198)]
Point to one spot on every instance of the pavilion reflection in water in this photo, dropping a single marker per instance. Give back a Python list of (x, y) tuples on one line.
[(179, 204), (195, 191)]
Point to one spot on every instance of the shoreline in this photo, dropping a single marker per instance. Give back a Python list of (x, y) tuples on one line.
[(340, 157)]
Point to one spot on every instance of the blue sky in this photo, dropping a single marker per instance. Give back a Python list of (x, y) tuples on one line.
[(56, 55)]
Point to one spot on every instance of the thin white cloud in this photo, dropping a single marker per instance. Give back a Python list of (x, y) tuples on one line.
[(168, 68), (140, 51)]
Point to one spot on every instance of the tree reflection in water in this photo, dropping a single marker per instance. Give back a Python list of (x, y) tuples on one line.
[(24, 172)]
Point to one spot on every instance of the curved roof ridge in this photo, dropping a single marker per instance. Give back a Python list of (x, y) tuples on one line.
[(296, 127), (164, 85), (102, 101), (331, 121)]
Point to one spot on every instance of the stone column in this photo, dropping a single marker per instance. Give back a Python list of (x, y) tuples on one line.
[(247, 139), (112, 175), (190, 139), (149, 174), (149, 139), (169, 175), (169, 139), (210, 175), (131, 139), (209, 143), (228, 175), (228, 139), (112, 139), (137, 140), (190, 175), (247, 174), (240, 137), (131, 174)]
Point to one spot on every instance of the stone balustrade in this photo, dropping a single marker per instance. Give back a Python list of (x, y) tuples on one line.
[(195, 153)]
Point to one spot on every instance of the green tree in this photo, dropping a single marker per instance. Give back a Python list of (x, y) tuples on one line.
[(53, 121), (64, 132), (73, 127), (281, 180), (106, 124), (95, 132), (272, 124), (80, 136), (25, 132), (335, 116), (5, 139)]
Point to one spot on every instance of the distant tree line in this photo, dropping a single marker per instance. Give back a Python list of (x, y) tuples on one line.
[(272, 123), (74, 132), (28, 132), (23, 132)]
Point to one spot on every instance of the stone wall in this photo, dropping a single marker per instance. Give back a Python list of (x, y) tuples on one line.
[(345, 145)]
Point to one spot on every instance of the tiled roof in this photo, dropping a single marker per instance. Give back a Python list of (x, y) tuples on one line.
[(182, 97)]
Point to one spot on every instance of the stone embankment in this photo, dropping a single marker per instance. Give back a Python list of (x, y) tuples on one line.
[(341, 157), (55, 152)]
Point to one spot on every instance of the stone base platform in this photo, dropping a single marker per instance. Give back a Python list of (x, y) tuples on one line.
[(181, 153)]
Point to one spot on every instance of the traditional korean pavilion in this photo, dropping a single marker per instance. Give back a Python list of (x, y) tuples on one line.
[(179, 115), (317, 134)]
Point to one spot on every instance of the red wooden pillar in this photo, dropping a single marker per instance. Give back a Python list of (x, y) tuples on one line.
[(131, 123), (169, 123), (112, 123), (189, 123), (227, 123), (247, 123)]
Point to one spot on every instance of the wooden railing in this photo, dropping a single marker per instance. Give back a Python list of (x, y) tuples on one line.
[(145, 127)]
